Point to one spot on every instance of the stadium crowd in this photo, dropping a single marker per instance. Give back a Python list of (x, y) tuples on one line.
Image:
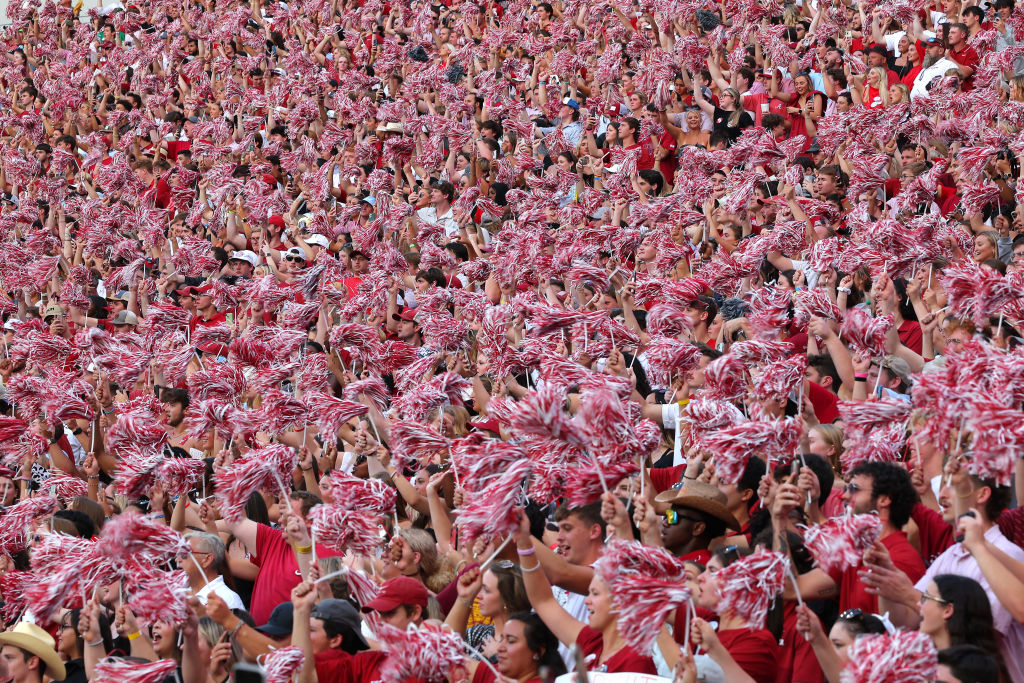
[(356, 341)]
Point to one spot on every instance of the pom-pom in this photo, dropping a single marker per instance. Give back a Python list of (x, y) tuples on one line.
[(749, 585), (427, 653), (491, 512), (280, 665), (903, 657), (269, 467), (866, 334), (122, 670), (343, 529), (16, 522), (840, 542)]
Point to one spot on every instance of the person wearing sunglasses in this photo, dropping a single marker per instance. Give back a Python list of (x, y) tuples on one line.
[(697, 515)]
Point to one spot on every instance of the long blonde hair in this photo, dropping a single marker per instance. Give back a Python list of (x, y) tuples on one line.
[(434, 570), (883, 84)]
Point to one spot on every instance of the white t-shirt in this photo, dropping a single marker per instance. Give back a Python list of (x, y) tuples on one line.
[(217, 586)]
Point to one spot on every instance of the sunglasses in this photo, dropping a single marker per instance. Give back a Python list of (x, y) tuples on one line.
[(295, 259), (672, 517), (934, 598)]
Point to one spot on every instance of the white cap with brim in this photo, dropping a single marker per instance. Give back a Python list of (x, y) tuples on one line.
[(32, 638), (245, 255), (319, 240)]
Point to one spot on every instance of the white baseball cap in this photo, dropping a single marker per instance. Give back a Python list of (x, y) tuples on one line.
[(319, 240), (245, 255)]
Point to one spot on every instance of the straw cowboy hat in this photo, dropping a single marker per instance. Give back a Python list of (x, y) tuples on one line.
[(30, 637), (700, 496)]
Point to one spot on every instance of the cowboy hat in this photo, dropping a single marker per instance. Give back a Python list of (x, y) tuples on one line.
[(30, 637), (697, 495)]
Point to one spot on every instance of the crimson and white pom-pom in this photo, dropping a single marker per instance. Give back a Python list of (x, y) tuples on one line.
[(749, 585), (360, 586), (724, 378), (903, 657), (281, 665), (178, 476), (769, 312), (492, 511), (372, 388), (706, 414), (840, 542), (586, 483), (66, 487), (371, 495), (669, 357), (643, 602), (734, 446), (815, 303), (157, 595), (269, 467), (330, 413), (343, 529), (975, 291), (426, 653), (632, 557), (412, 443), (122, 670), (778, 379), (135, 538), (754, 351), (15, 523), (866, 334)]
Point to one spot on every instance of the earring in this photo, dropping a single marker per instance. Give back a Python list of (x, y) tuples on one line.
[(536, 658)]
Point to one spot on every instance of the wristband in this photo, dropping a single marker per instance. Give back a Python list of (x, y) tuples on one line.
[(303, 549), (860, 379), (860, 375), (238, 625), (524, 570), (158, 516), (525, 553), (133, 636), (98, 643), (94, 476), (844, 290)]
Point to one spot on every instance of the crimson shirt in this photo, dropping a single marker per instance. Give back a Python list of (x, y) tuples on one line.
[(625, 660), (279, 571), (853, 593), (966, 57), (755, 651), (797, 662)]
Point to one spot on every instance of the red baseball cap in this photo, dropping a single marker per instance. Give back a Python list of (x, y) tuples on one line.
[(269, 179), (276, 220), (401, 590), (406, 314)]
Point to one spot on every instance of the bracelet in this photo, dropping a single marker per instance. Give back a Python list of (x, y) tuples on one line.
[(238, 626), (686, 476), (860, 379), (524, 570), (303, 549), (93, 476), (525, 553), (133, 636), (107, 412), (157, 516), (98, 643), (844, 290), (860, 375), (467, 603)]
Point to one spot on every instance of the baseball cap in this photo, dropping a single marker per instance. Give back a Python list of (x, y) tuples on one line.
[(278, 72), (341, 613), (214, 349), (934, 41), (879, 49), (119, 296), (897, 367), (318, 240), (280, 621), (408, 314), (269, 179), (52, 311), (193, 119), (571, 103), (205, 289), (401, 590), (245, 255), (125, 318), (276, 220), (187, 291), (369, 200), (296, 251)]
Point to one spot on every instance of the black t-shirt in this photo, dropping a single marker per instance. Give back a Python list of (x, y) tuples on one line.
[(720, 122)]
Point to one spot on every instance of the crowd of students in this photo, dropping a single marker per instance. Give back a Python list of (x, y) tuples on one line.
[(392, 341)]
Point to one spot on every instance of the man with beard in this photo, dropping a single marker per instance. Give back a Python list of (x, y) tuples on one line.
[(935, 65), (874, 487), (175, 404)]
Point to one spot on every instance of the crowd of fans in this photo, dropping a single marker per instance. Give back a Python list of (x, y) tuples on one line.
[(397, 341)]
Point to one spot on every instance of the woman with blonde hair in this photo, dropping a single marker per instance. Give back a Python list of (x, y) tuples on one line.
[(827, 441), (872, 88), (898, 93), (414, 553)]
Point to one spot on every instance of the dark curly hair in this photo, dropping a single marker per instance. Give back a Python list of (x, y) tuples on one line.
[(888, 479)]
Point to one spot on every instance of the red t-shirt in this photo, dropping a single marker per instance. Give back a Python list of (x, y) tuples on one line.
[(910, 335), (664, 478), (625, 660), (216, 320), (853, 593), (646, 161), (176, 146), (797, 663), (755, 651), (935, 533), (279, 571)]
